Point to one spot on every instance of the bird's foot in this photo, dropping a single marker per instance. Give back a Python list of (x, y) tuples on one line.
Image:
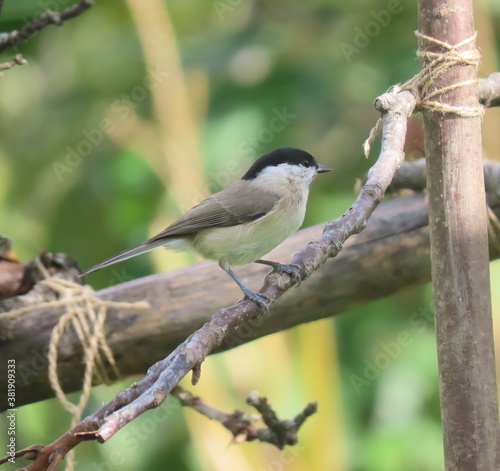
[(291, 269), (258, 298)]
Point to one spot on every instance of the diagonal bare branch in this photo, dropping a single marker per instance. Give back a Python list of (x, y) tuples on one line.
[(30, 28), (396, 109), (163, 376)]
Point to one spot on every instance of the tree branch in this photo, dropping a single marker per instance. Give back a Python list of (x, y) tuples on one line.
[(413, 176), (277, 432), (163, 376), (17, 60), (17, 37), (390, 254), (183, 300)]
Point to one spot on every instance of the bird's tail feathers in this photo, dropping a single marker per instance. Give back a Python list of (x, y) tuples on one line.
[(126, 254)]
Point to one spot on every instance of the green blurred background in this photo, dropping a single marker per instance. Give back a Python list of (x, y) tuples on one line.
[(133, 112)]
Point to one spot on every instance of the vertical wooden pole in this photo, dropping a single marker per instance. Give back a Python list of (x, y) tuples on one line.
[(459, 253)]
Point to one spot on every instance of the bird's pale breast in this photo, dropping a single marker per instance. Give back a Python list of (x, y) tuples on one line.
[(247, 242)]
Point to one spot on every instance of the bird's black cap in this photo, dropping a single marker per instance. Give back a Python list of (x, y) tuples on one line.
[(283, 155)]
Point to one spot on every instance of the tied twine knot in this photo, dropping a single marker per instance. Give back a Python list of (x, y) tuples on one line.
[(423, 85), (86, 314)]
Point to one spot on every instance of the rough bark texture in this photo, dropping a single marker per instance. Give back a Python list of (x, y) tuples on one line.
[(377, 262), (459, 255), (392, 253)]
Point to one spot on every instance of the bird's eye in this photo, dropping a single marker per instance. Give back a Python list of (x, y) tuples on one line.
[(306, 163)]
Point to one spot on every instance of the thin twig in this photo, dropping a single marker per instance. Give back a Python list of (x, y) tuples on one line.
[(17, 60), (277, 432), (17, 37)]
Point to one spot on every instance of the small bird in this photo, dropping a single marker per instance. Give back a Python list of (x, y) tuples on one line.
[(246, 220)]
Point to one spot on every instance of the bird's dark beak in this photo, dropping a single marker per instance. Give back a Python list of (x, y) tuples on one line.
[(323, 168)]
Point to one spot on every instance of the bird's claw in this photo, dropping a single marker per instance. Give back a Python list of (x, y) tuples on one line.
[(260, 299), (291, 269)]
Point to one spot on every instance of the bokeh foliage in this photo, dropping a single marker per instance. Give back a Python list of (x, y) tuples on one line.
[(89, 165)]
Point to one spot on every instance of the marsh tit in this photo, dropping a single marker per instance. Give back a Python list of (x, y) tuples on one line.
[(246, 220)]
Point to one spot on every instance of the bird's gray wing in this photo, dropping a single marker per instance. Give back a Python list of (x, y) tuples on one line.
[(234, 205)]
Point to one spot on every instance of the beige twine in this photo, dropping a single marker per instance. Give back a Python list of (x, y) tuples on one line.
[(423, 84), (86, 314)]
